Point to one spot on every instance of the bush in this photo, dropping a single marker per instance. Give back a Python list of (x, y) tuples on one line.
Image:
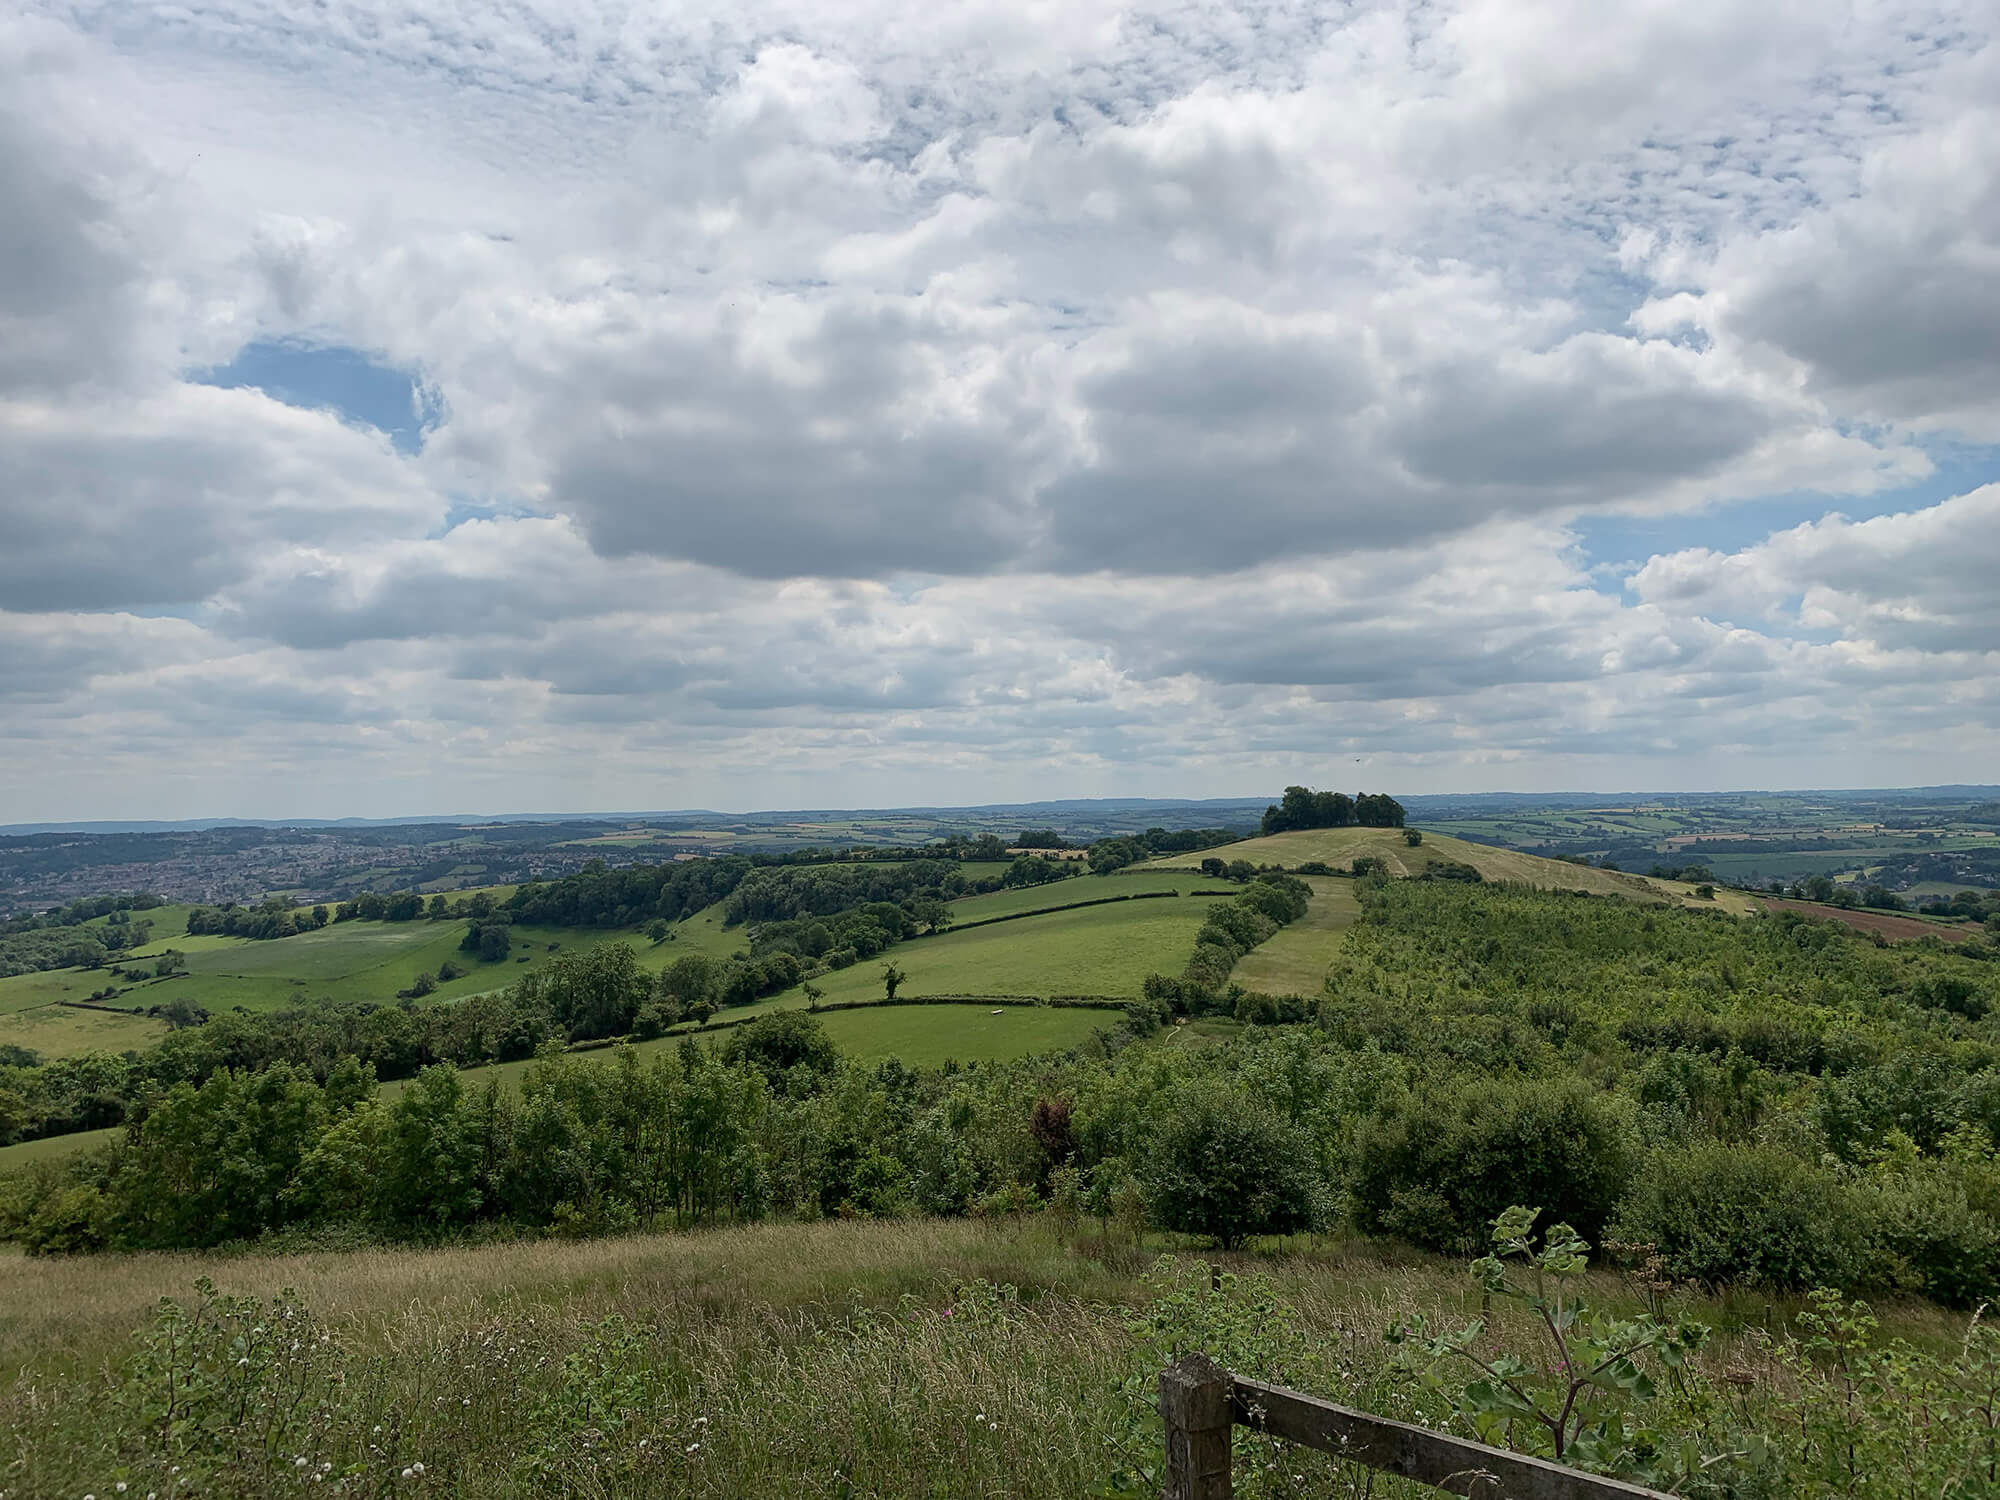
[(1228, 1168), (777, 1043), (1749, 1213), (1437, 1167)]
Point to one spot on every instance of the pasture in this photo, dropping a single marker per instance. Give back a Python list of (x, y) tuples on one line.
[(1076, 890), (1340, 847), (1094, 950), (48, 1148)]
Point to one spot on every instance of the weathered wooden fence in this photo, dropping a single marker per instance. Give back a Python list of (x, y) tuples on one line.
[(1201, 1403)]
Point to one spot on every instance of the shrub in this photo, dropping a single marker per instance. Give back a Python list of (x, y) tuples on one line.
[(1437, 1167), (1749, 1213), (1228, 1168), (777, 1043)]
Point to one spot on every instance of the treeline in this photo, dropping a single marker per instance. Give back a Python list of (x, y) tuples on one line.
[(1109, 854), (273, 917), (1302, 807), (1232, 929)]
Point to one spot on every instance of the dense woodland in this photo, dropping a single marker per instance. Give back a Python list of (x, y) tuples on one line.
[(1774, 1100)]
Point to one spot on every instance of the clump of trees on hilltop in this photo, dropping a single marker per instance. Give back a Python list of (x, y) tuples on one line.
[(1302, 807)]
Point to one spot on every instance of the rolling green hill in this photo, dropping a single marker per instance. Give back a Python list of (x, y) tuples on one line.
[(1340, 847), (368, 961)]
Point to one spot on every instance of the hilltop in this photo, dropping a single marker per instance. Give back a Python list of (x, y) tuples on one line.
[(1340, 847)]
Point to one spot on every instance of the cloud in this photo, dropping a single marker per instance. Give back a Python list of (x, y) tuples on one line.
[(927, 405), (1919, 581)]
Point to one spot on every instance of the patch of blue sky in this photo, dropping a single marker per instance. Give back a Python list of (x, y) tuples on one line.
[(350, 382), (1614, 545)]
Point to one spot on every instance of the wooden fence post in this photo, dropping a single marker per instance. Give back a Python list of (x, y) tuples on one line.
[(1194, 1403)]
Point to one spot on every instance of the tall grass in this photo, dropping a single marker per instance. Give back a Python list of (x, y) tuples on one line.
[(925, 1358)]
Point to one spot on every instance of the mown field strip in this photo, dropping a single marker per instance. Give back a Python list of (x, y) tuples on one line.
[(1295, 960)]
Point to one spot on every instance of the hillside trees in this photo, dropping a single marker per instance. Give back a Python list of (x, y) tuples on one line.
[(1302, 807)]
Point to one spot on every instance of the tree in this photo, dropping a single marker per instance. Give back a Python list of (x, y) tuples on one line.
[(598, 992), (777, 1043), (1228, 1168), (690, 981), (489, 940), (1107, 855), (657, 930), (891, 978), (1413, 836), (173, 961)]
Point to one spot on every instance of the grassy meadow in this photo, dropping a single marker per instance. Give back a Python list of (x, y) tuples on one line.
[(833, 1359), (347, 961), (1295, 960), (1081, 888)]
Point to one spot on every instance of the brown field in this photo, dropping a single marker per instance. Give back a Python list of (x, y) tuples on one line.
[(1891, 925)]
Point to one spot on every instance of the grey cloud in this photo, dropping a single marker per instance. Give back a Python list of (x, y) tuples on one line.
[(1890, 296), (832, 454), (1595, 418), (70, 273), (165, 500)]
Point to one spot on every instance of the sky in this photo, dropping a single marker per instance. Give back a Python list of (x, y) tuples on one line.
[(411, 407)]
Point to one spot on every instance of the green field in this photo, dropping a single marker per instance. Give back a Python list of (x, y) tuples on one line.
[(22, 1153), (1098, 950), (925, 1036), (1340, 847), (1295, 960), (1075, 891)]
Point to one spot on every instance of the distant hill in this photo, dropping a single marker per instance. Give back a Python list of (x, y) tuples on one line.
[(1340, 847)]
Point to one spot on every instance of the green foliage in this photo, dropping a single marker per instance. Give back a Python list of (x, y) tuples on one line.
[(1228, 1168), (777, 1043), (236, 1390), (1587, 1397), (1437, 1165), (1304, 808)]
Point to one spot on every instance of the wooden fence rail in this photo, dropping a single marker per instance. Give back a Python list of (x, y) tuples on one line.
[(1201, 1403)]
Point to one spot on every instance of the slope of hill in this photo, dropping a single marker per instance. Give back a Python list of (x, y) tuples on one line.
[(1340, 847)]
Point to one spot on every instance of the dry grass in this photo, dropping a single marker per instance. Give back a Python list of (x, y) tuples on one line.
[(823, 1360), (1340, 847)]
